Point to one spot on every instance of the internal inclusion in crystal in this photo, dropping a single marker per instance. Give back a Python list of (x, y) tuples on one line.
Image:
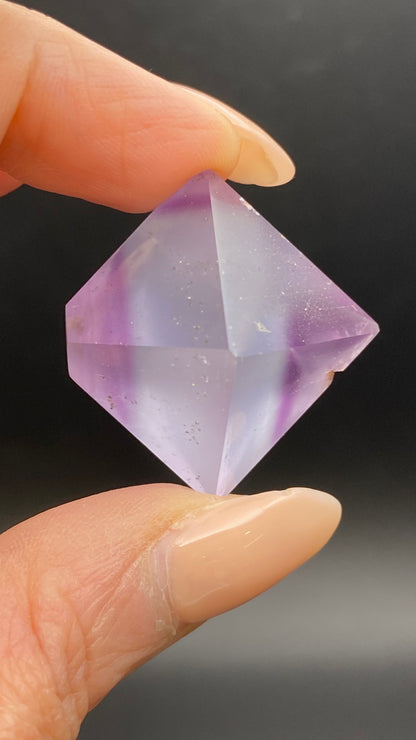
[(207, 334)]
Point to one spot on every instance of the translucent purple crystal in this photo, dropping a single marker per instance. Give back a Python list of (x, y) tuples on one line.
[(207, 334)]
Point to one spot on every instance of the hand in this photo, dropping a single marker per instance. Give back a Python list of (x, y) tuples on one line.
[(92, 589)]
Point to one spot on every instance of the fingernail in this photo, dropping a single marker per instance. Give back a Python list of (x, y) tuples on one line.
[(262, 160), (230, 552)]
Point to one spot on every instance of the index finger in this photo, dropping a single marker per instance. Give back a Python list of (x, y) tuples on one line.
[(79, 120)]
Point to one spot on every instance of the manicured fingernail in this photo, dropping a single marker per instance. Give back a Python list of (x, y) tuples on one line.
[(262, 160), (230, 552)]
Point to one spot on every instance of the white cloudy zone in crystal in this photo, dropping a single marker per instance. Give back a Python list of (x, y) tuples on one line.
[(207, 334)]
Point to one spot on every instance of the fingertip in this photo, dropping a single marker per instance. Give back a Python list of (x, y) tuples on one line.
[(7, 183), (225, 555), (261, 160)]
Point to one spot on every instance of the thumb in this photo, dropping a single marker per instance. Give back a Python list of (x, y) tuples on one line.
[(92, 589)]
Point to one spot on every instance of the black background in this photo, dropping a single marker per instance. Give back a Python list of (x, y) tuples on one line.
[(331, 652)]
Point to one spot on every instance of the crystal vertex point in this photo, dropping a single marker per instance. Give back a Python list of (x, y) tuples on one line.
[(207, 334)]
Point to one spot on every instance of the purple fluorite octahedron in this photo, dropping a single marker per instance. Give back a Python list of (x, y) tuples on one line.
[(207, 334)]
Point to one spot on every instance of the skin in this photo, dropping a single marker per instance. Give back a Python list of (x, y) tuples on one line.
[(92, 589)]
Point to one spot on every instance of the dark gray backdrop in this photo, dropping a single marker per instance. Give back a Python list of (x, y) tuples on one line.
[(329, 654)]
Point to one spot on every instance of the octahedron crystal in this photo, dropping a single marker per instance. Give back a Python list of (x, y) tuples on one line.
[(207, 334)]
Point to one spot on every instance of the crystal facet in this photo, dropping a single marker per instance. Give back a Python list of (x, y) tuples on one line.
[(207, 334)]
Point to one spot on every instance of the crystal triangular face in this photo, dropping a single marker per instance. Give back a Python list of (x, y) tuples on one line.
[(271, 392), (161, 288), (274, 297), (174, 399), (207, 334)]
